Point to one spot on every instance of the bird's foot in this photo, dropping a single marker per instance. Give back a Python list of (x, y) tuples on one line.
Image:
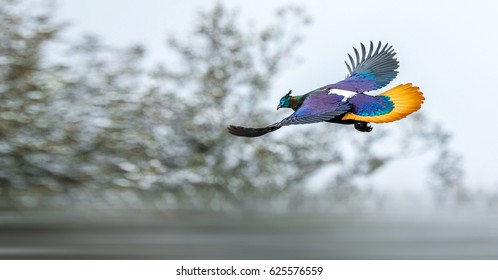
[(363, 126)]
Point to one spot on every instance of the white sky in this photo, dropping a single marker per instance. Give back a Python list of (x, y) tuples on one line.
[(448, 48)]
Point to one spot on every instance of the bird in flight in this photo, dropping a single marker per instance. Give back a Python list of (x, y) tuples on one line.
[(345, 102)]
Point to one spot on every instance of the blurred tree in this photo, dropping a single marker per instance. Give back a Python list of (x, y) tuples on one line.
[(26, 90), (96, 126)]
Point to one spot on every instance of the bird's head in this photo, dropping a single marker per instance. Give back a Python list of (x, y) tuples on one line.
[(285, 102)]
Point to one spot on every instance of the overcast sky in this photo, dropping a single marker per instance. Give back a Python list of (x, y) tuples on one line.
[(448, 48)]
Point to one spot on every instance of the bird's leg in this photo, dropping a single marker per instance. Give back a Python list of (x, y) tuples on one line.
[(363, 126)]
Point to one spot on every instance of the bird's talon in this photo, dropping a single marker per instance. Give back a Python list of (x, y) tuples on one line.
[(363, 126)]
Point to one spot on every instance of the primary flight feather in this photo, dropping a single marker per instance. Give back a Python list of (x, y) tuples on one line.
[(345, 102)]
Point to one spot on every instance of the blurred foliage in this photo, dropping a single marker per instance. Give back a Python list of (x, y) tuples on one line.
[(96, 126)]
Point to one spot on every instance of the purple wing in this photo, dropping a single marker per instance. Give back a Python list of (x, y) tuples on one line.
[(318, 107), (372, 71)]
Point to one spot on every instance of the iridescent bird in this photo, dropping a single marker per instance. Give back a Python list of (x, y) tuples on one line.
[(345, 102)]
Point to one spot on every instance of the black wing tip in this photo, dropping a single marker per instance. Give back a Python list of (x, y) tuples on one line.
[(250, 132), (382, 51), (381, 58)]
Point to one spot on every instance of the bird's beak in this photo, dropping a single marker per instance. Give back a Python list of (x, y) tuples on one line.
[(278, 107)]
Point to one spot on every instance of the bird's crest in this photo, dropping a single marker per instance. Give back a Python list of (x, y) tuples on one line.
[(285, 101)]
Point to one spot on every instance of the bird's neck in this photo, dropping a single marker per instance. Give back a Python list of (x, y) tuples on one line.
[(296, 101)]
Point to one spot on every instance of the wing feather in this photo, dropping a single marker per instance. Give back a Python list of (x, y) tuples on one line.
[(372, 71), (318, 107)]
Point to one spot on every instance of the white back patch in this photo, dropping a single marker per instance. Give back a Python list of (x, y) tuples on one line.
[(346, 93)]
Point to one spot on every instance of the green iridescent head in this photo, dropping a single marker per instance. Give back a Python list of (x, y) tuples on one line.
[(285, 102)]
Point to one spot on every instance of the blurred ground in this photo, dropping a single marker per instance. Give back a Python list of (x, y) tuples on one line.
[(45, 235)]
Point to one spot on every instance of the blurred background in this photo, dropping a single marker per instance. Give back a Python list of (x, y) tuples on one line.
[(113, 139)]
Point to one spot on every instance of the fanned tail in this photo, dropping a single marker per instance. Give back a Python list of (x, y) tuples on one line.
[(406, 98), (251, 132)]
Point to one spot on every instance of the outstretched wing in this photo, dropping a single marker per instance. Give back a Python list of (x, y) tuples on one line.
[(373, 71), (250, 131), (319, 107)]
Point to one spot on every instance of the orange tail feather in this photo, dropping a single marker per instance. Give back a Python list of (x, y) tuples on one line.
[(407, 99)]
